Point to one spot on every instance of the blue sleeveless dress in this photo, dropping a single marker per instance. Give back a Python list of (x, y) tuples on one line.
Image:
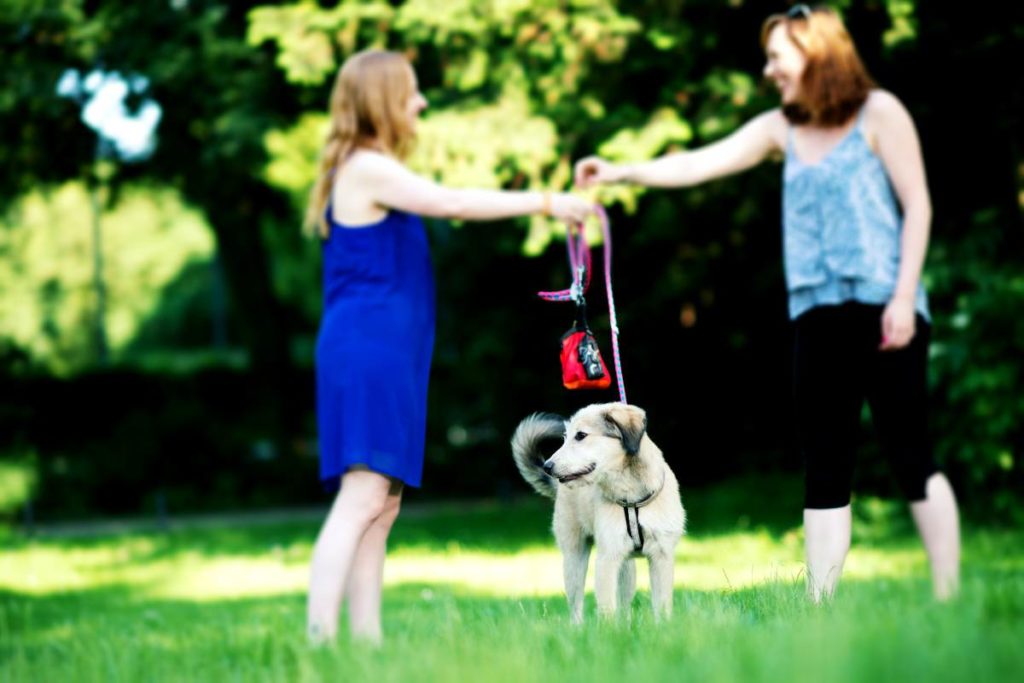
[(374, 348)]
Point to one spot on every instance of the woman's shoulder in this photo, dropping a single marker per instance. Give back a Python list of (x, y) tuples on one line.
[(352, 194), (773, 118), (369, 163), (366, 168), (882, 104), (884, 115), (774, 125)]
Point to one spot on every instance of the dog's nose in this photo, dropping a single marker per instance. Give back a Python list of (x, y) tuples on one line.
[(548, 466)]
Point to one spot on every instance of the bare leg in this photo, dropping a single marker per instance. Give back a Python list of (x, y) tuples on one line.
[(627, 586), (938, 522), (359, 503), (827, 540), (366, 576)]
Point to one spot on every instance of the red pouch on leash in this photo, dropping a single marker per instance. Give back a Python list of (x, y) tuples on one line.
[(582, 365)]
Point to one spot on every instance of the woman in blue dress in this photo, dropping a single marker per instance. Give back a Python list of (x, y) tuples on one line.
[(377, 331), (856, 219)]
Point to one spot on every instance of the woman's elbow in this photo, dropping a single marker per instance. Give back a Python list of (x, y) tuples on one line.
[(454, 206), (921, 209), (446, 204)]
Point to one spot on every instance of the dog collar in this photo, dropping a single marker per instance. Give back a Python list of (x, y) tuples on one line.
[(634, 523), (646, 499)]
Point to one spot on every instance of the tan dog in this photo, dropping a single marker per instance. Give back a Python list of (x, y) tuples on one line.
[(613, 489)]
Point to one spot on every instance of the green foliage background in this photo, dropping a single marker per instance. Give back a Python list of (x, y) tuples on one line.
[(208, 272)]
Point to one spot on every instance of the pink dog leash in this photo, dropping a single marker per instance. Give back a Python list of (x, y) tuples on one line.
[(579, 265)]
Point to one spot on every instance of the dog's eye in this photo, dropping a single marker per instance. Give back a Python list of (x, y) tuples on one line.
[(580, 436)]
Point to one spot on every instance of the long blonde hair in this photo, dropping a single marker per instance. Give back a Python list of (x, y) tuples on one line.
[(369, 109), (835, 83)]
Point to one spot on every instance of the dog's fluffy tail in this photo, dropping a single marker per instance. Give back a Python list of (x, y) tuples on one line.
[(526, 450)]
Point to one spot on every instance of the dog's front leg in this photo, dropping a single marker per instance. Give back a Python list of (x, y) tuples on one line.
[(606, 581), (575, 557), (662, 567), (627, 585)]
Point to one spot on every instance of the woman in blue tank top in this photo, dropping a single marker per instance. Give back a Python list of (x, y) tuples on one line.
[(376, 335), (856, 219)]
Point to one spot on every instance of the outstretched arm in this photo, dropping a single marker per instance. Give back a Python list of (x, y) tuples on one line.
[(741, 150), (390, 184)]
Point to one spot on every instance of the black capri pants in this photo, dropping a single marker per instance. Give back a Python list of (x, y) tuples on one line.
[(837, 365)]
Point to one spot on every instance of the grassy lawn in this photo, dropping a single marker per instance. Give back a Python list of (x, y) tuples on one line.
[(478, 594)]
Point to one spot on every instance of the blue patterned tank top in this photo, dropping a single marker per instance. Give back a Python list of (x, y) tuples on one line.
[(841, 227)]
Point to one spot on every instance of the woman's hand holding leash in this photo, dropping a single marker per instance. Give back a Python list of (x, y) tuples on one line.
[(567, 207), (594, 170)]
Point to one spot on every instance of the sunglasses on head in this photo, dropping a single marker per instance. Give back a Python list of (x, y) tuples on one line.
[(800, 11)]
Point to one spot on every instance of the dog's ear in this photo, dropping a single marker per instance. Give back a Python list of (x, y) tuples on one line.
[(630, 422)]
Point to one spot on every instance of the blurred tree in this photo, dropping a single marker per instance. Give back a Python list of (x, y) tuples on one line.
[(218, 97), (18, 480), (46, 269)]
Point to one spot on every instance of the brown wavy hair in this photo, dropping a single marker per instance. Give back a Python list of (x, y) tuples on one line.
[(835, 83), (369, 110)]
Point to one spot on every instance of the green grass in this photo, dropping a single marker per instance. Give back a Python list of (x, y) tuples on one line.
[(478, 595)]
